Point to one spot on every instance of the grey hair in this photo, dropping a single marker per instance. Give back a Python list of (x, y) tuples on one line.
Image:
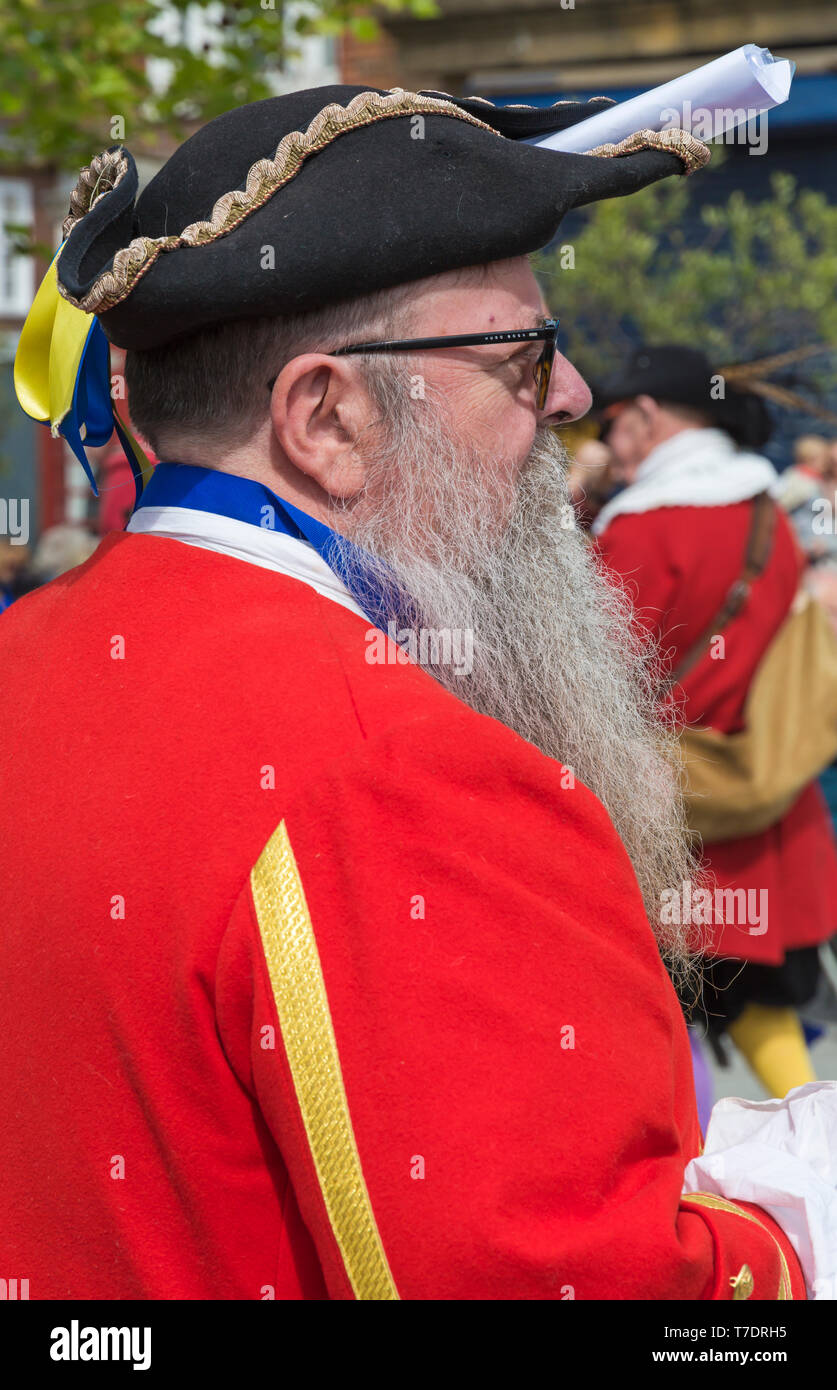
[(212, 385)]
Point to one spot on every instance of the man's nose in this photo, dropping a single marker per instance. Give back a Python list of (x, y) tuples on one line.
[(569, 397)]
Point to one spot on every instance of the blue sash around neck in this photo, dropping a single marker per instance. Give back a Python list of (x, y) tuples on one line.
[(245, 499)]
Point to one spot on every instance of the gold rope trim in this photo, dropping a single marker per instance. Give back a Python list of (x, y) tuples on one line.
[(524, 105), (301, 1000), (265, 177), (96, 179), (693, 152), (708, 1199)]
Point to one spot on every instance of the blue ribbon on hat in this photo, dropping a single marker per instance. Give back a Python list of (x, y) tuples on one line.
[(62, 378)]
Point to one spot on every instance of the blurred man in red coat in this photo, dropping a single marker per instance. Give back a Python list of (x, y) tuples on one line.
[(681, 535), (333, 963)]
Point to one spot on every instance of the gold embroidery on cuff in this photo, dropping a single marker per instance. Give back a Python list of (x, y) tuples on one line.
[(265, 177), (742, 1284), (708, 1199), (299, 992)]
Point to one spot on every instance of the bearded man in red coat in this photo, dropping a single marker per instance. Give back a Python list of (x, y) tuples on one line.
[(680, 535), (333, 964)]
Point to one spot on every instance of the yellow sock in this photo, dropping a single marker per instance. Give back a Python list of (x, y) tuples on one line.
[(774, 1045)]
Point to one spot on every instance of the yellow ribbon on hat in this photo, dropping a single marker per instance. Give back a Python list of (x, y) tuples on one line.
[(49, 352), (48, 361)]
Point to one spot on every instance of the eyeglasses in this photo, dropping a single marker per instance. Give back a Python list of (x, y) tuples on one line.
[(546, 333)]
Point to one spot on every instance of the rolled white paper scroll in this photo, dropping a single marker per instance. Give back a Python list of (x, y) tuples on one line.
[(709, 101)]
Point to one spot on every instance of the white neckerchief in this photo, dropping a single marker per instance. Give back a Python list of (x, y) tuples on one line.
[(695, 468), (257, 545)]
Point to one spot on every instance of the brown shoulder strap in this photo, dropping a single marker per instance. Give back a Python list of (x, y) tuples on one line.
[(759, 546)]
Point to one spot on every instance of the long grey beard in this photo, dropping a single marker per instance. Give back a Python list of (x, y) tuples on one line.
[(461, 545)]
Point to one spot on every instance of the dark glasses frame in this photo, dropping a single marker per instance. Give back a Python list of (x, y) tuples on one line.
[(547, 334)]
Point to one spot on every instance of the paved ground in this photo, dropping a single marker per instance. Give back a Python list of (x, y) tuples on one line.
[(738, 1080)]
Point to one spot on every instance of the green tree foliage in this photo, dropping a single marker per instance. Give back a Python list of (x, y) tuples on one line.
[(68, 67), (740, 279)]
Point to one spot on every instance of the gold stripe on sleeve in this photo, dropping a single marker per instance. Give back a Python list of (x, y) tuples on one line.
[(301, 1000), (708, 1199)]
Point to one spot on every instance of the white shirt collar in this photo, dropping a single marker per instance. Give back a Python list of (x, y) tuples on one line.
[(257, 545), (694, 468)]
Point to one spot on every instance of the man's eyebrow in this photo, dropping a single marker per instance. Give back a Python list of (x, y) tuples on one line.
[(536, 318), (529, 318), (535, 321)]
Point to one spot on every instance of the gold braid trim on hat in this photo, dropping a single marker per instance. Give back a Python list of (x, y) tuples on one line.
[(693, 152), (523, 105), (265, 177), (96, 179)]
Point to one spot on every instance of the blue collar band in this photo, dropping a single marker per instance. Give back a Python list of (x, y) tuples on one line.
[(246, 499)]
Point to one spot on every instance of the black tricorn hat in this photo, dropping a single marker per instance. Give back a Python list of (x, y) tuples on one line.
[(678, 375), (340, 191)]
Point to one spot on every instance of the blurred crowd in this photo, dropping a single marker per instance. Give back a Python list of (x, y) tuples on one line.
[(806, 490), (22, 568), (732, 570), (61, 548)]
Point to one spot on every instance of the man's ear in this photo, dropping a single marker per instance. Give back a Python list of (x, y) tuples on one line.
[(319, 406), (649, 408)]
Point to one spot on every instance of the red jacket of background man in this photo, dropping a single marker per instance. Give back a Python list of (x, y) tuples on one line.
[(678, 564), (314, 983)]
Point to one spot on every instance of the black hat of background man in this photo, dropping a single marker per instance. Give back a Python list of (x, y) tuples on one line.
[(288, 204), (677, 375)]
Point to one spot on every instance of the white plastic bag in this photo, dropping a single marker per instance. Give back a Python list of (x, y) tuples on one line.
[(782, 1155)]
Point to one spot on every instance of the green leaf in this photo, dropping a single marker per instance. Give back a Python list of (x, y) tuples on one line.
[(68, 66)]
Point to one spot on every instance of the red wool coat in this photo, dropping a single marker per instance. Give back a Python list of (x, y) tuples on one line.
[(678, 564), (314, 983)]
